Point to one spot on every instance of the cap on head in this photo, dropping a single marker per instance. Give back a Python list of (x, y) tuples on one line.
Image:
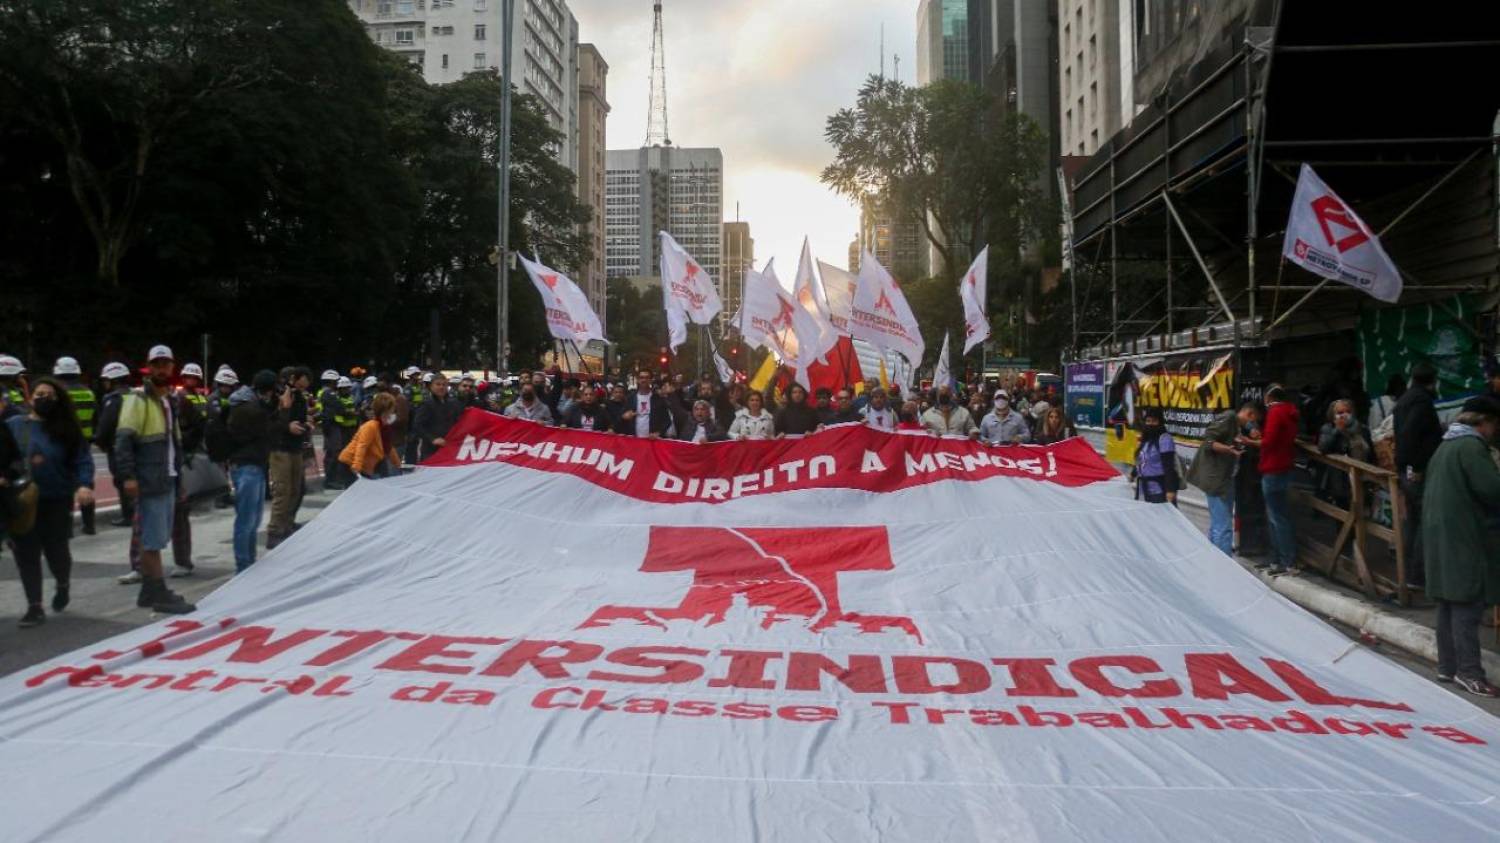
[(115, 371), (1483, 404), (159, 352), (192, 370), (329, 375), (226, 376), (10, 366), (66, 366)]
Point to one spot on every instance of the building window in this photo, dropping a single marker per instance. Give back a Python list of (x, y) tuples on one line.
[(479, 62), (480, 5), (479, 32), (445, 61), (406, 37)]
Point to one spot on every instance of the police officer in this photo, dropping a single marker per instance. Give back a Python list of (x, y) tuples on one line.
[(67, 370), (114, 385), (345, 422), (192, 388), (12, 392), (416, 396)]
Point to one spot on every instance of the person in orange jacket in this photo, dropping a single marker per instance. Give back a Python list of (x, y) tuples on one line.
[(372, 453)]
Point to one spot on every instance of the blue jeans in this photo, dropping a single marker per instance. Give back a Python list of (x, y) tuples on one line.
[(249, 507), (1221, 522), (1275, 487)]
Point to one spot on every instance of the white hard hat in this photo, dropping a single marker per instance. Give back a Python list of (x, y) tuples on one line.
[(10, 366), (427, 377), (226, 376), (409, 371), (159, 352), (330, 375), (66, 366), (370, 381), (345, 383), (466, 376), (192, 370), (115, 371)]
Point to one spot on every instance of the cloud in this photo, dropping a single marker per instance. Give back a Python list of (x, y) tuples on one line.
[(757, 79)]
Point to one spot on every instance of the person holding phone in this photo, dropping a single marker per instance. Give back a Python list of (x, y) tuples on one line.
[(1213, 471)]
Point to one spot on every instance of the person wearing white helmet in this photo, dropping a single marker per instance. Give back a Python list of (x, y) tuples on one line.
[(192, 388), (12, 388), (85, 406), (346, 421), (225, 384), (149, 459), (114, 385), (328, 412), (416, 395)]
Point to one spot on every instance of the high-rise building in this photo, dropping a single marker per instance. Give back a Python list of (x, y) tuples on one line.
[(1095, 52), (942, 40), (739, 257), (449, 38), (679, 190), (897, 241), (593, 109)]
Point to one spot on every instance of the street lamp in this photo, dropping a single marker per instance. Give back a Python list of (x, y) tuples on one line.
[(502, 264)]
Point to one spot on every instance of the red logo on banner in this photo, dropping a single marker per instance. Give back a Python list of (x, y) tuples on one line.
[(884, 303), (1330, 212), (550, 281), (784, 315), (789, 574)]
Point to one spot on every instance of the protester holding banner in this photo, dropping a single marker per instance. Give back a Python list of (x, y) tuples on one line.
[(644, 414), (372, 453), (435, 417), (1278, 447), (878, 413), (796, 418), (948, 418), (842, 411), (700, 426), (1054, 427), (1462, 487), (587, 413), (1004, 425), (753, 422)]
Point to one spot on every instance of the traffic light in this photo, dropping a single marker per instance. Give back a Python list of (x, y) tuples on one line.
[(665, 360)]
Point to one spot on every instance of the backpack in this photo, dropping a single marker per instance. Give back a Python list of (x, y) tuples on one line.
[(216, 437)]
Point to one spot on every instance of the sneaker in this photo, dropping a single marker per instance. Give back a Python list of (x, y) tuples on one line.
[(158, 598), (60, 599), (34, 617), (132, 578), (90, 530), (1445, 678), (1477, 687), (182, 571), (119, 522)]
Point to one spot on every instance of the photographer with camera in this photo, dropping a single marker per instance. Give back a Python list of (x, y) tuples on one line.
[(1213, 470)]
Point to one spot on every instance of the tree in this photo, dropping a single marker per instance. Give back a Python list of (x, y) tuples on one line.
[(950, 156)]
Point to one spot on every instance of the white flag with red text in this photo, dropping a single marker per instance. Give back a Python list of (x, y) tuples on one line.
[(838, 288), (569, 316), (770, 318), (687, 290), (1325, 237), (971, 290), (807, 289), (880, 316), (856, 635)]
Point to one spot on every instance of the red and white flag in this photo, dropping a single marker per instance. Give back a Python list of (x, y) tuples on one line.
[(880, 315), (823, 638), (1325, 237), (972, 291), (569, 316), (770, 318), (688, 292), (807, 289), (838, 290)]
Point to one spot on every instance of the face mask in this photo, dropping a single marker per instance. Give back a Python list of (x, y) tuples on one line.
[(389, 419), (1002, 404), (1344, 417), (945, 399), (44, 406), (528, 396)]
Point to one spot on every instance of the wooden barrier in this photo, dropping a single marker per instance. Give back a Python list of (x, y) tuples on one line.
[(1356, 527)]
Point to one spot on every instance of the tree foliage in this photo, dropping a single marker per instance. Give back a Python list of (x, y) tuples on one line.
[(263, 173)]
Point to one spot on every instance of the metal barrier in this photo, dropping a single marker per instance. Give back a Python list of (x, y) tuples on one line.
[(1356, 527)]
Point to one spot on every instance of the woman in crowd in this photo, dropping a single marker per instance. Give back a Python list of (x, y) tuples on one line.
[(797, 418), (372, 452), (1343, 435), (57, 458), (1055, 427), (753, 422), (1156, 478)]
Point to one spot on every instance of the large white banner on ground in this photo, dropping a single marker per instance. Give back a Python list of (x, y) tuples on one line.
[(1325, 237), (563, 635)]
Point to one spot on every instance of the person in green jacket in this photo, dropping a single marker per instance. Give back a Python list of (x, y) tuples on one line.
[(1463, 559)]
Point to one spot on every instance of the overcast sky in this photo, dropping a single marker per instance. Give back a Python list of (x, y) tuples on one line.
[(758, 79)]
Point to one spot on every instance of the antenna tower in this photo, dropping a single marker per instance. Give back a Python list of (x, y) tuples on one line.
[(656, 123)]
